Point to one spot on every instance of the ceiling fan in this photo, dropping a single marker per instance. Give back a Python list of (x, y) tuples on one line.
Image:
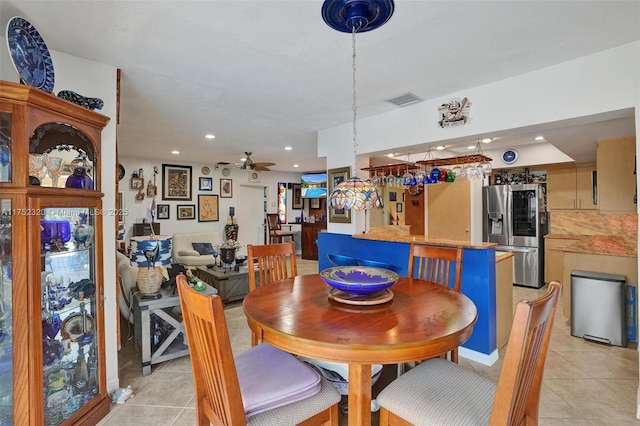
[(248, 164)]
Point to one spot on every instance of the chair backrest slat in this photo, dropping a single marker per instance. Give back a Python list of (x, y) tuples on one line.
[(218, 397), (518, 393)]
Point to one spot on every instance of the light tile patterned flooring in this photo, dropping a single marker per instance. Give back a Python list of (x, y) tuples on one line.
[(584, 383)]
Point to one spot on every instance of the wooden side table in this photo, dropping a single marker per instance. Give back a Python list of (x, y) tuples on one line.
[(167, 308)]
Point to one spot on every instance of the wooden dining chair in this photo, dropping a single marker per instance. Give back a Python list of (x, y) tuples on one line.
[(274, 262), (441, 392), (276, 233), (435, 264), (256, 386)]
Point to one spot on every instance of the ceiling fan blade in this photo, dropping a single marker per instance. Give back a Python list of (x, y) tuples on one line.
[(264, 164), (261, 168)]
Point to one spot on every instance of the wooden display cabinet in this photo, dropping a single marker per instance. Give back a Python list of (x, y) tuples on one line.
[(52, 354)]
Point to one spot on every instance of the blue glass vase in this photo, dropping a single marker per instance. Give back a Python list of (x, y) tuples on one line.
[(79, 179)]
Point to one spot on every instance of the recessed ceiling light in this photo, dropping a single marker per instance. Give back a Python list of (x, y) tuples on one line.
[(210, 136), (539, 138), (288, 148), (175, 152), (486, 140), (440, 147), (471, 147), (296, 165), (390, 155)]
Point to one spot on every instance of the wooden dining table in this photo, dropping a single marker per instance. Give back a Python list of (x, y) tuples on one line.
[(422, 320)]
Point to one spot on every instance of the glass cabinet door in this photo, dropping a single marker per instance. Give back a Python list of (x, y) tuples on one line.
[(6, 335), (69, 308), (5, 146)]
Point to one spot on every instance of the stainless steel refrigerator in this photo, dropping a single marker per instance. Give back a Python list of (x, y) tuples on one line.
[(515, 217)]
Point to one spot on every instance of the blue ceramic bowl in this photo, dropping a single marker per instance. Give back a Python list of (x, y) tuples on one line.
[(340, 260), (360, 280), (374, 263)]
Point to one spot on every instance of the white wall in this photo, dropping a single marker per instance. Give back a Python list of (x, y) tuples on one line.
[(137, 210), (602, 82), (92, 79)]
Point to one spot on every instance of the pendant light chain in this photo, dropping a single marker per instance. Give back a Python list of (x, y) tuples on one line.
[(355, 100)]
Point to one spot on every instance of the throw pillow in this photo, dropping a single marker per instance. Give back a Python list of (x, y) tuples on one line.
[(203, 248)]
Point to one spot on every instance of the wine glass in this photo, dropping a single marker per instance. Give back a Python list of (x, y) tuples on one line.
[(391, 179), (36, 166), (215, 257), (54, 168)]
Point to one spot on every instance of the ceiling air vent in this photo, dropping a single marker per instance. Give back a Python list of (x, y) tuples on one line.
[(404, 100)]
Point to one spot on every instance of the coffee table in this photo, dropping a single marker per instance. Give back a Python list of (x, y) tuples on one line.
[(231, 285)]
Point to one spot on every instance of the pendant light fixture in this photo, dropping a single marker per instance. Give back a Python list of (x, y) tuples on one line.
[(356, 16)]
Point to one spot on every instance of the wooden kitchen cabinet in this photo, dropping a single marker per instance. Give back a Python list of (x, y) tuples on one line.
[(309, 236), (52, 345), (554, 258), (616, 174), (572, 188)]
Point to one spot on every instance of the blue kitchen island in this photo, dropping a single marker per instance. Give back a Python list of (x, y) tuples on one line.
[(478, 276)]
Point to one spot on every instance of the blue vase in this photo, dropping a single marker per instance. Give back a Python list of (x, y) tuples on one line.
[(79, 179)]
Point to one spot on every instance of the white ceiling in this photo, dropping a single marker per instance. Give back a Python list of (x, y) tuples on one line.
[(262, 75)]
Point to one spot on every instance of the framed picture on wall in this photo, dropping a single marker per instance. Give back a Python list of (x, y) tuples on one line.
[(314, 203), (206, 184), (176, 182), (282, 202), (121, 212), (162, 211), (226, 188), (296, 202), (186, 211), (335, 176), (208, 208)]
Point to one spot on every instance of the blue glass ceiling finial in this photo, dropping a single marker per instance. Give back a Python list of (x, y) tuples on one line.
[(363, 15)]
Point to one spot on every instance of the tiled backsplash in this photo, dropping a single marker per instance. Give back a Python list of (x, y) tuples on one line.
[(593, 223)]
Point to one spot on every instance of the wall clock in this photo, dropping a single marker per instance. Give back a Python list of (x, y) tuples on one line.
[(509, 156)]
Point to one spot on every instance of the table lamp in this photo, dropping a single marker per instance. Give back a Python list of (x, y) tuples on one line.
[(152, 254)]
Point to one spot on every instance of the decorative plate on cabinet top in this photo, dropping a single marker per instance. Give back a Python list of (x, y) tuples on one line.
[(30, 55)]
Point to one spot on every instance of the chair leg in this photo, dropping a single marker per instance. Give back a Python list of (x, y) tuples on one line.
[(254, 340)]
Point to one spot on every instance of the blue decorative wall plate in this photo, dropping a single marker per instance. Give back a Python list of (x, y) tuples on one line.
[(30, 55)]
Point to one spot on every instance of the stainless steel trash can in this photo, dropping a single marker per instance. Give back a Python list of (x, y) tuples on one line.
[(598, 307)]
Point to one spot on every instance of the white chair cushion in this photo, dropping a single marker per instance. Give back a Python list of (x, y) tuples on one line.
[(439, 392)]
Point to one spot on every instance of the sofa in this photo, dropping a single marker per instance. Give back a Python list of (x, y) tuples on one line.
[(183, 252)]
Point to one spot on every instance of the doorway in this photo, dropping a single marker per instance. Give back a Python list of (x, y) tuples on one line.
[(250, 214)]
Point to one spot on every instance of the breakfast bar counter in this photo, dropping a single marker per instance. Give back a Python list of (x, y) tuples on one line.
[(391, 247)]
